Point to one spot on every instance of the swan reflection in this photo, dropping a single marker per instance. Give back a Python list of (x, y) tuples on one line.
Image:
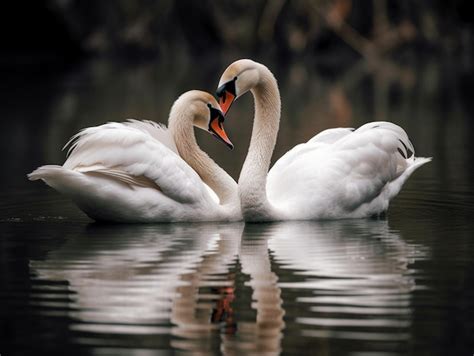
[(130, 274), (231, 287), (352, 277)]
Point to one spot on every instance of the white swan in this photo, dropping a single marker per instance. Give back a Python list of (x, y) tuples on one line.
[(339, 173), (139, 171)]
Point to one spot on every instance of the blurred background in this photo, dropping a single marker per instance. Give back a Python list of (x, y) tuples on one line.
[(70, 64)]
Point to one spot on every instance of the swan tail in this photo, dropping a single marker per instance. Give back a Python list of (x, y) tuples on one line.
[(397, 184), (45, 172), (62, 179), (92, 194)]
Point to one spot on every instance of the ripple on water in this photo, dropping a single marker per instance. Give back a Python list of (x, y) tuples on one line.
[(353, 279), (230, 288)]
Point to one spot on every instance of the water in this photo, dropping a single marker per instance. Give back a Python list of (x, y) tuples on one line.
[(403, 284)]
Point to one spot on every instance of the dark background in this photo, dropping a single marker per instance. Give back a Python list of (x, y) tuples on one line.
[(71, 64), (65, 31)]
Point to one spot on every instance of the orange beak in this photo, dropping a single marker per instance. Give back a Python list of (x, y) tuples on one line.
[(225, 101), (216, 127)]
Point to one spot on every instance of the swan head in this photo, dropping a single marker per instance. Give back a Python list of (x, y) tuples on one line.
[(206, 113), (240, 77)]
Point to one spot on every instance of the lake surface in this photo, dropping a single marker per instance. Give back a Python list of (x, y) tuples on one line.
[(403, 284)]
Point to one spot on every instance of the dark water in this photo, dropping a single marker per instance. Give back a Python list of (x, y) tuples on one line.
[(399, 285)]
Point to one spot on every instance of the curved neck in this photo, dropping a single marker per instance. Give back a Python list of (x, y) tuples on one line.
[(253, 177), (181, 128)]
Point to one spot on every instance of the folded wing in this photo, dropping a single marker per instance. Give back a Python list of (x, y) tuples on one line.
[(344, 172)]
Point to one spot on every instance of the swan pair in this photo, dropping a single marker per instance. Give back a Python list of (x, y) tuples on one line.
[(139, 171)]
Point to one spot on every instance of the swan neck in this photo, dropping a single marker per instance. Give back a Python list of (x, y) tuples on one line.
[(182, 130), (253, 178)]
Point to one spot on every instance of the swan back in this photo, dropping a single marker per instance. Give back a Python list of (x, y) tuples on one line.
[(343, 173)]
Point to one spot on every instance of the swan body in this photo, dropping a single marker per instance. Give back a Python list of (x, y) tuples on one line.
[(339, 173), (140, 171), (352, 174)]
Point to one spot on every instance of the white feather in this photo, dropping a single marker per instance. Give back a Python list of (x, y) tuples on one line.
[(131, 172), (341, 173)]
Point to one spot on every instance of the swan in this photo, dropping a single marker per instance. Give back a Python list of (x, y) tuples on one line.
[(339, 173), (141, 171)]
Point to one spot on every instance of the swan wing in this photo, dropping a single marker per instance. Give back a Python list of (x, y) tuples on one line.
[(321, 140), (353, 174), (138, 153), (156, 130), (330, 136)]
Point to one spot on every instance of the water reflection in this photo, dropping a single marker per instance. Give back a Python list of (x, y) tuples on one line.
[(203, 304), (356, 277), (230, 287), (131, 275)]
